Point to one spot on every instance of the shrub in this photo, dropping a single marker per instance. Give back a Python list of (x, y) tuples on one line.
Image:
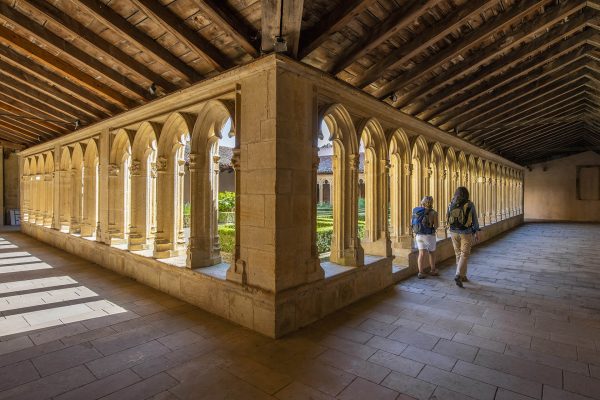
[(226, 201), (227, 238), (324, 237), (187, 215)]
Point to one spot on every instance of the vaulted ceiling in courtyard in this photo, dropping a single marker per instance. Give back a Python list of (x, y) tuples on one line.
[(520, 78)]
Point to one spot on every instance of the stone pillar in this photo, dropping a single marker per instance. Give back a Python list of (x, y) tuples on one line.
[(77, 200), (2, 211), (114, 195), (103, 158), (204, 249), (139, 202), (56, 194)]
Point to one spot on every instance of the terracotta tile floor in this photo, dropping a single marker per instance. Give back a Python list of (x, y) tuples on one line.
[(527, 326)]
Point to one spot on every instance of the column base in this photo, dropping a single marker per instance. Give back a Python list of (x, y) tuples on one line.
[(381, 247), (199, 259), (237, 272), (166, 250)]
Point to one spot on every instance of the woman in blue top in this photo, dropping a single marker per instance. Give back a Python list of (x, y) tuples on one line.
[(464, 231)]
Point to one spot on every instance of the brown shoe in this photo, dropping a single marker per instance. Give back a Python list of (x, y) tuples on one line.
[(434, 272), (464, 279)]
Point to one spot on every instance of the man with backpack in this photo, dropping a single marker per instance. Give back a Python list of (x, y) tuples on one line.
[(464, 231), (424, 223)]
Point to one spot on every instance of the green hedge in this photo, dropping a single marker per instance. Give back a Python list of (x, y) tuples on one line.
[(227, 238)]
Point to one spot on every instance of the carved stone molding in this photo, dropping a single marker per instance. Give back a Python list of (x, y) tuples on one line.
[(161, 164), (113, 170), (135, 169)]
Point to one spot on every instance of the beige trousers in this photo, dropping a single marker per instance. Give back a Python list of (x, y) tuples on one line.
[(462, 243)]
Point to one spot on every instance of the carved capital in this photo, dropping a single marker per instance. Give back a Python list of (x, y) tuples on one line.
[(408, 168), (354, 160), (236, 159), (135, 169), (153, 170), (444, 174), (161, 164), (113, 170)]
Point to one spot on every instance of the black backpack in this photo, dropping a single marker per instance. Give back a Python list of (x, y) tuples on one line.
[(459, 216)]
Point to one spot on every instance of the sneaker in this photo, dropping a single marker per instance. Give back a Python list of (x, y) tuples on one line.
[(421, 276), (434, 272), (464, 279), (458, 281)]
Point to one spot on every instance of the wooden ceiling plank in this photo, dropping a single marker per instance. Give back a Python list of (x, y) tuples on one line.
[(29, 66), (395, 22), (463, 45), (525, 115), (23, 132), (532, 136), (31, 128), (466, 100), (38, 84), (570, 109), (539, 113), (8, 134), (68, 49), (171, 23), (333, 22), (510, 98), (116, 54), (429, 37), (40, 106), (485, 55), (227, 19), (515, 64), (558, 136), (546, 76), (114, 21), (51, 130), (36, 95), (57, 64)]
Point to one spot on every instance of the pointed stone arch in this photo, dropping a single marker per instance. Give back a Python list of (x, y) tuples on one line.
[(119, 187), (472, 179), (345, 246), (437, 178), (204, 248), (89, 223), (170, 166), (399, 156), (143, 186), (463, 169), (48, 188), (26, 189), (376, 240), (420, 170), (480, 190), (452, 176)]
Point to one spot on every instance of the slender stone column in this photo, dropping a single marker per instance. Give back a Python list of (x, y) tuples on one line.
[(56, 194), (115, 194), (204, 248), (139, 204)]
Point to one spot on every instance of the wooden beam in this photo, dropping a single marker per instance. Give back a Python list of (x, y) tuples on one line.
[(66, 48), (31, 67), (42, 86), (517, 63), (395, 22), (559, 134), (52, 104), (333, 22), (11, 145), (50, 130), (33, 130), (233, 25), (537, 88), (501, 74), (114, 21), (7, 133), (57, 64), (281, 18), (114, 53), (170, 22), (461, 46), (23, 133), (427, 38), (566, 64)]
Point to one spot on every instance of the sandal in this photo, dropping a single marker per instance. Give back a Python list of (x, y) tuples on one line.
[(434, 272), (458, 281), (421, 276)]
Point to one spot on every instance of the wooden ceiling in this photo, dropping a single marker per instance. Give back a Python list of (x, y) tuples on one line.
[(520, 78)]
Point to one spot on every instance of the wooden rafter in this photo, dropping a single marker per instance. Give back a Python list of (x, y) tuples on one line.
[(281, 18), (108, 17), (485, 55), (430, 36), (331, 23), (30, 67), (77, 56), (57, 64), (224, 17), (394, 23), (49, 129), (114, 53), (171, 23), (34, 83), (465, 100), (17, 131)]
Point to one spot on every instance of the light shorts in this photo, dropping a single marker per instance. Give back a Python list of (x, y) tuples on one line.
[(426, 242)]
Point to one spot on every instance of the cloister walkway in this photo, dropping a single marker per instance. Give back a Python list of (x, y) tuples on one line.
[(526, 326)]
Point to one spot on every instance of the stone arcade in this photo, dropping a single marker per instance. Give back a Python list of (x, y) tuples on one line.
[(112, 193)]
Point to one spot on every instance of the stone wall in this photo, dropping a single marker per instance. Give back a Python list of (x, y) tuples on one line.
[(551, 190)]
